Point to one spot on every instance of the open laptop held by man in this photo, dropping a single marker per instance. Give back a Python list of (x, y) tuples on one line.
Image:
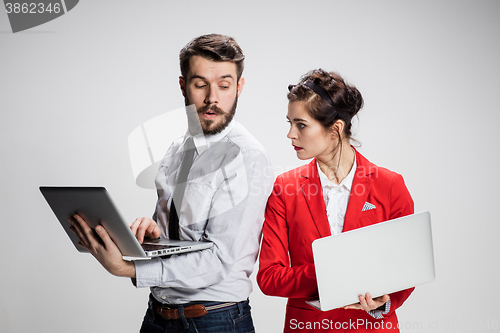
[(96, 207)]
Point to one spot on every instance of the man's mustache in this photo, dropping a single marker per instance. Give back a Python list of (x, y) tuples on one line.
[(211, 107)]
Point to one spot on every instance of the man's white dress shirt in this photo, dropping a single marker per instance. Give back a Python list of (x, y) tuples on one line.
[(224, 201)]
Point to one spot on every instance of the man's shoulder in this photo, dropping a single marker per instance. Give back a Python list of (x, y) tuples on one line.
[(176, 144), (244, 140)]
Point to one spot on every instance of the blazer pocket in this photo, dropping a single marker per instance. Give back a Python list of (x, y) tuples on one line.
[(369, 217)]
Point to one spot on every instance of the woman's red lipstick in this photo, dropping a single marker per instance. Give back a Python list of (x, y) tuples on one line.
[(296, 148)]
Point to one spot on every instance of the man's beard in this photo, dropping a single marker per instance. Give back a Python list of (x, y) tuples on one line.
[(207, 125)]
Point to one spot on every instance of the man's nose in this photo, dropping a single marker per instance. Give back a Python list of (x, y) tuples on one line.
[(212, 95)]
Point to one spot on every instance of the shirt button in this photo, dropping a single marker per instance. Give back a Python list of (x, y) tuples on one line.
[(164, 297)]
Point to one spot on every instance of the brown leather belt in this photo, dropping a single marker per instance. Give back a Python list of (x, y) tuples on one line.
[(192, 311)]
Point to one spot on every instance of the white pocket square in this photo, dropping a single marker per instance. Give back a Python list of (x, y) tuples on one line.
[(368, 206)]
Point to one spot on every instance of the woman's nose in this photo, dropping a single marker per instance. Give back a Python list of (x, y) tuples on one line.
[(291, 133)]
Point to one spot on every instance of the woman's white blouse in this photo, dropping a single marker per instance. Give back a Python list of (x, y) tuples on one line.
[(336, 198)]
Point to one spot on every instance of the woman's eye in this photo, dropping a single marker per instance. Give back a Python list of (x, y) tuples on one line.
[(300, 125)]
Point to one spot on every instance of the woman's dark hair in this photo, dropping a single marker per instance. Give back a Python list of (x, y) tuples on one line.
[(213, 47), (343, 101)]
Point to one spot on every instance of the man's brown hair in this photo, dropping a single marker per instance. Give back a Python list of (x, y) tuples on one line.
[(213, 47)]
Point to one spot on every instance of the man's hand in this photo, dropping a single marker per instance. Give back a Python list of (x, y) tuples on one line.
[(145, 227), (103, 249), (367, 303)]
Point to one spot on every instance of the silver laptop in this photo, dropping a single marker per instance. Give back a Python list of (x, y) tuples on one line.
[(95, 205), (378, 259)]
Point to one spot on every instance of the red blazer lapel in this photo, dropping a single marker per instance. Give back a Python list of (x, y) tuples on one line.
[(359, 192), (313, 195)]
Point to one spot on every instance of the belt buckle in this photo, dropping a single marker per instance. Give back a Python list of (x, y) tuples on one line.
[(168, 313), (160, 308)]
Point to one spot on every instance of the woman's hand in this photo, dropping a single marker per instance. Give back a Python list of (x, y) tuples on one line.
[(145, 227), (102, 248), (368, 303)]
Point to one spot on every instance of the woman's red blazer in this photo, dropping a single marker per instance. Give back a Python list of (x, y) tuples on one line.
[(296, 216)]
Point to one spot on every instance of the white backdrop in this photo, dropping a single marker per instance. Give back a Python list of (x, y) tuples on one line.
[(74, 88)]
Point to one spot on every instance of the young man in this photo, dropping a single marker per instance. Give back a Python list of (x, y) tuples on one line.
[(223, 201)]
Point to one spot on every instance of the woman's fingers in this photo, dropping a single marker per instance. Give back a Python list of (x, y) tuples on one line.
[(368, 303)]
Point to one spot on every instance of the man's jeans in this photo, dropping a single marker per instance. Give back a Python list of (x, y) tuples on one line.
[(236, 318)]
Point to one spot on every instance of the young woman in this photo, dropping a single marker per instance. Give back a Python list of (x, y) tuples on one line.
[(339, 190)]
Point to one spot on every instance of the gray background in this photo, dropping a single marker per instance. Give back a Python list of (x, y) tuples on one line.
[(74, 88)]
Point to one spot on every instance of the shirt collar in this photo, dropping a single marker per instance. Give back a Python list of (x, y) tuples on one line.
[(346, 182), (202, 142)]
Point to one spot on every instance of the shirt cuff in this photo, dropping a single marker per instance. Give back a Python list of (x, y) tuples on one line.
[(378, 313), (147, 272)]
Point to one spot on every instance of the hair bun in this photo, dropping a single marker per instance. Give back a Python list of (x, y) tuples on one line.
[(353, 99)]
